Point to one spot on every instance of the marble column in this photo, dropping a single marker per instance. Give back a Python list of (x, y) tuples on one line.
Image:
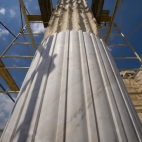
[(73, 91)]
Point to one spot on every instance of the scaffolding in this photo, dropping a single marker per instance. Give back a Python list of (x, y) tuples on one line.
[(106, 23)]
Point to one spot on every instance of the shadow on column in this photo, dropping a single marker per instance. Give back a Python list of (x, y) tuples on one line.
[(23, 130)]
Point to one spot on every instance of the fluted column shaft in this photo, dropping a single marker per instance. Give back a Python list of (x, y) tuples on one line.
[(73, 91)]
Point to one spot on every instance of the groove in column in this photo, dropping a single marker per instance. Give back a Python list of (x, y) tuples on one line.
[(109, 121), (93, 134), (111, 100), (16, 109), (44, 83), (122, 92), (50, 106), (117, 91), (27, 121), (61, 124)]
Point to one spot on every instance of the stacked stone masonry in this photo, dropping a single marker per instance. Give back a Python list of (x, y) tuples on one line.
[(133, 83)]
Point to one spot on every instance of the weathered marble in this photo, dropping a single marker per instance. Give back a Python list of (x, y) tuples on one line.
[(133, 83), (73, 93), (72, 15)]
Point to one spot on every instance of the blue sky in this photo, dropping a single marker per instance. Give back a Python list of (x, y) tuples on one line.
[(10, 16)]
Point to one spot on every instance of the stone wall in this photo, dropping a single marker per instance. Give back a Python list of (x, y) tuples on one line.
[(133, 83)]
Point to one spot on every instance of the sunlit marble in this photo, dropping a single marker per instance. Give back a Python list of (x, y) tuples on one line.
[(73, 93)]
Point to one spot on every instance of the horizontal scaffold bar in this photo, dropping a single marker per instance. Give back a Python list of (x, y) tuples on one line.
[(17, 56), (17, 68), (110, 45), (25, 43), (125, 58), (135, 69), (10, 92), (34, 33)]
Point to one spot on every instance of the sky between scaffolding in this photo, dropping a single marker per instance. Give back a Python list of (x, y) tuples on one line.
[(10, 16)]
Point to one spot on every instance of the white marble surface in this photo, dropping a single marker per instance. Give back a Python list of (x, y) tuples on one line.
[(71, 15), (73, 93)]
